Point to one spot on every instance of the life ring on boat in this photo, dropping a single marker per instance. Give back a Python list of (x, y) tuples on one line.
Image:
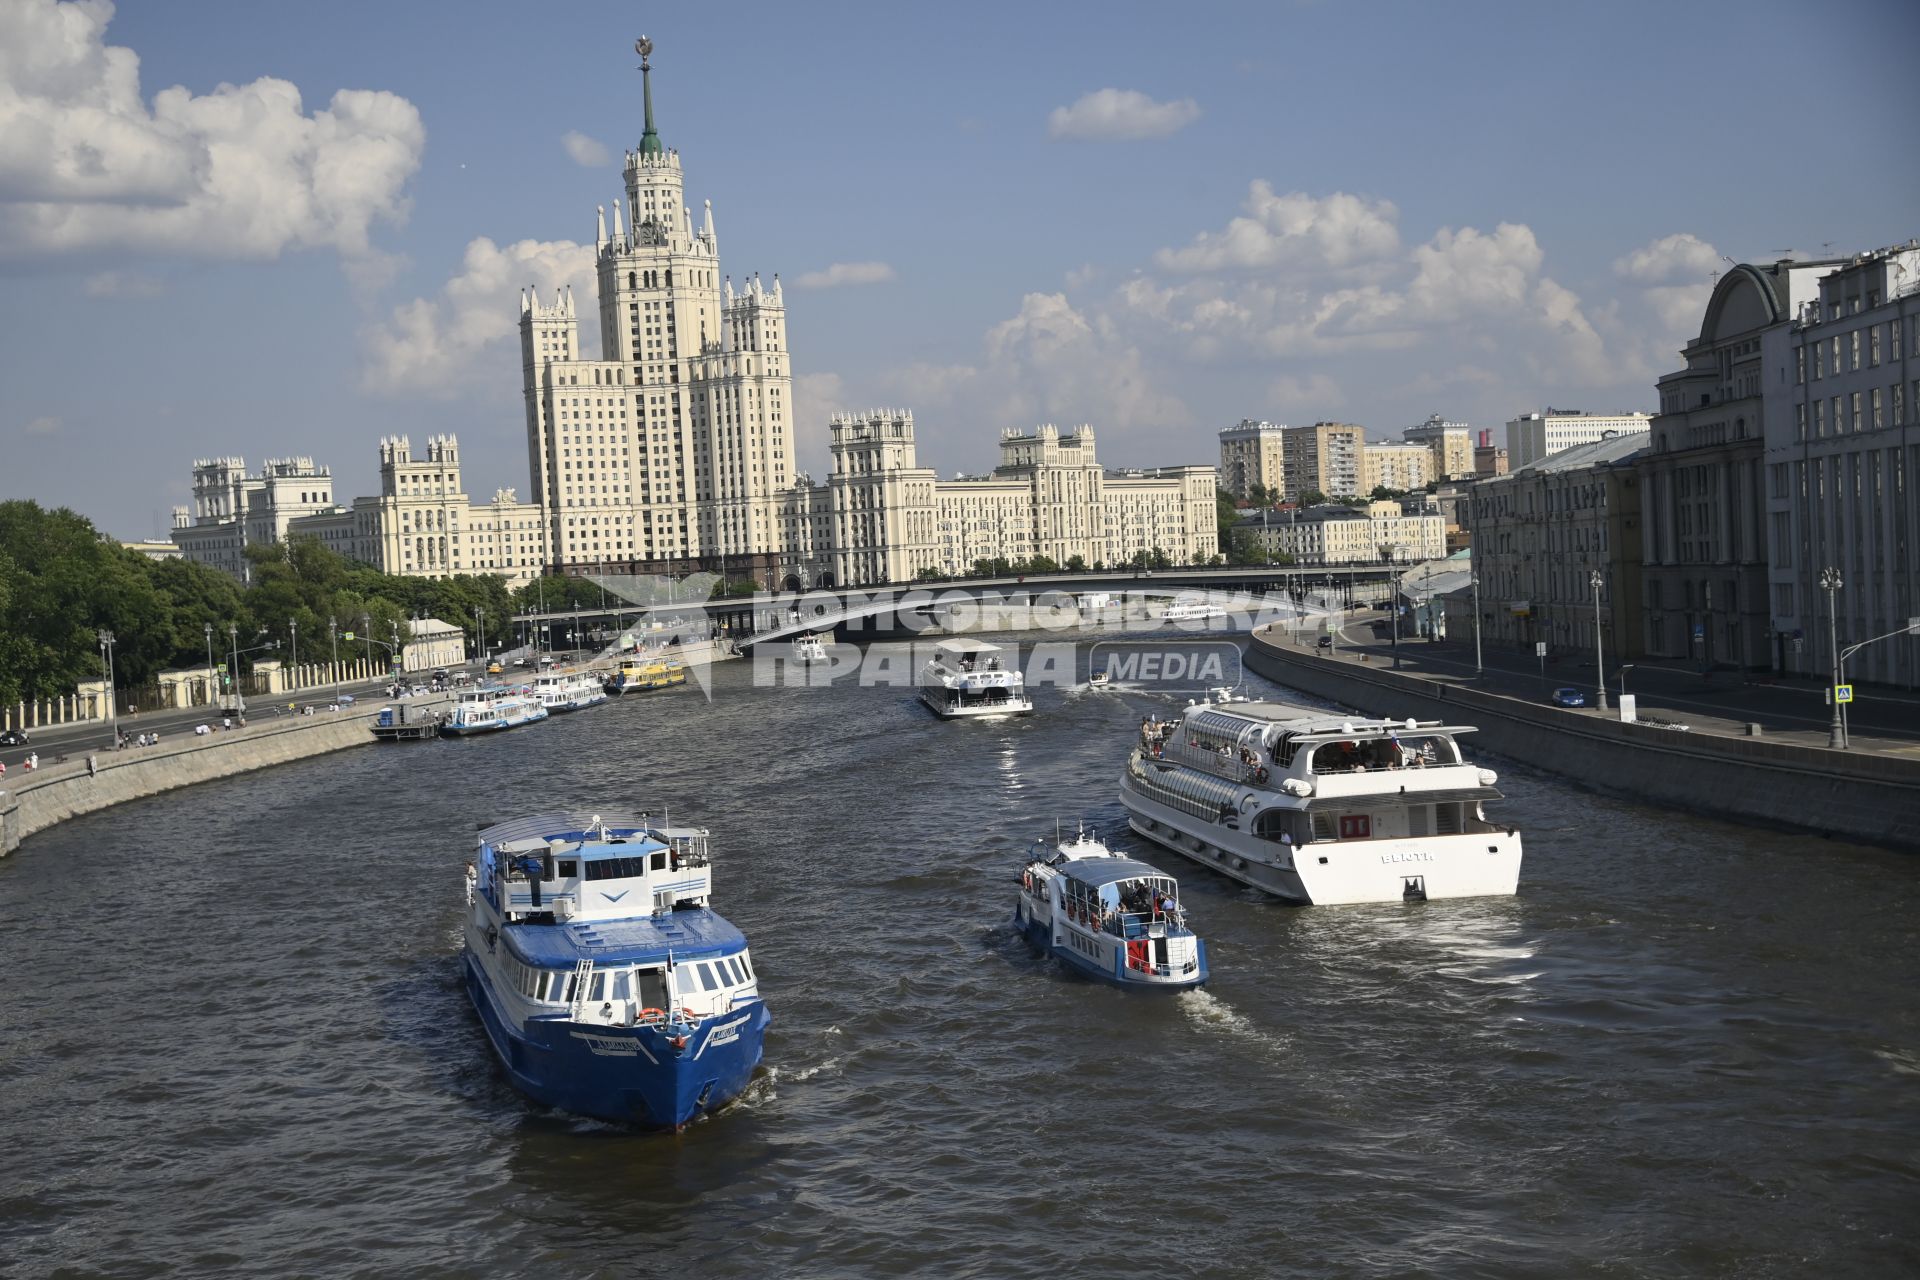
[(653, 1015), (689, 1015)]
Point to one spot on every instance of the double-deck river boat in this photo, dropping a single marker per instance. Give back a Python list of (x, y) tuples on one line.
[(560, 691), (1321, 807), (490, 709), (1108, 916), (646, 671), (606, 984), (973, 678)]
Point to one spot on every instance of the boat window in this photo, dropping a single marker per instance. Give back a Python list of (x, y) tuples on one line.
[(569, 868), (598, 989), (622, 986), (706, 977), (567, 995), (660, 860), (726, 971), (653, 988), (745, 967)]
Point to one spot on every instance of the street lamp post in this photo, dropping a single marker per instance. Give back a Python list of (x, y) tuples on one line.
[(293, 654), (1830, 582), (233, 662), (208, 628), (1599, 657), (1478, 668), (480, 627), (333, 640), (113, 698)]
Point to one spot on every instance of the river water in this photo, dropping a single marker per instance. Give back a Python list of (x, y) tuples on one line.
[(234, 1043)]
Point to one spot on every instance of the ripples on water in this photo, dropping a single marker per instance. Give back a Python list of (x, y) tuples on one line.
[(234, 1042)]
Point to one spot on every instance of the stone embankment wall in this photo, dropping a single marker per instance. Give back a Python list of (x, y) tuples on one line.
[(34, 801), (1860, 796)]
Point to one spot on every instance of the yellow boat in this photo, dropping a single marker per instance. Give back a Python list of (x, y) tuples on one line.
[(650, 672)]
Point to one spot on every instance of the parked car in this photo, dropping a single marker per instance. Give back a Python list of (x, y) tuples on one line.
[(13, 738), (1568, 696), (1326, 642)]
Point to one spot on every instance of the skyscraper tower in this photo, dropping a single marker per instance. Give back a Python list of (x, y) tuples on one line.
[(663, 455)]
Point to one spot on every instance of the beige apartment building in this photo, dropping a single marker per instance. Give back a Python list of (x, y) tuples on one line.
[(1253, 455), (1405, 468), (1450, 443), (1331, 535), (1324, 458)]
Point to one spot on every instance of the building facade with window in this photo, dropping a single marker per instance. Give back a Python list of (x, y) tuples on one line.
[(1253, 455), (232, 508), (1324, 458), (1533, 436), (1539, 534), (1403, 468), (1841, 395), (1706, 554), (1450, 443)]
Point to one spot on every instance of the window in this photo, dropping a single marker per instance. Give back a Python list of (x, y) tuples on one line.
[(1356, 826), (1873, 345)]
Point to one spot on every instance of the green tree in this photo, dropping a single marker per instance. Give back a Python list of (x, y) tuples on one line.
[(1076, 564), (1312, 498)]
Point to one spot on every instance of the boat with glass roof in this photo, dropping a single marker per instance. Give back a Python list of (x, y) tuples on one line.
[(607, 985), (1321, 806), (973, 678)]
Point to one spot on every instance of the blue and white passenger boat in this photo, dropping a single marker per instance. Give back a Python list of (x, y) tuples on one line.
[(607, 985), (491, 708), (560, 691), (1108, 916)]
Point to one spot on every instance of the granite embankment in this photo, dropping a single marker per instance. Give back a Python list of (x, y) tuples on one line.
[(34, 801), (1867, 796)]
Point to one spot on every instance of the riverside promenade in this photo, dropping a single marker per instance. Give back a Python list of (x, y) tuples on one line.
[(1748, 752), (34, 800)]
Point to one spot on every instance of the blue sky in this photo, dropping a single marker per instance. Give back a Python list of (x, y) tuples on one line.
[(1156, 220)]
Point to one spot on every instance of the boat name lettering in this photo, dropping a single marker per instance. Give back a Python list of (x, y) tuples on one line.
[(609, 1046), (726, 1033), (1413, 856)]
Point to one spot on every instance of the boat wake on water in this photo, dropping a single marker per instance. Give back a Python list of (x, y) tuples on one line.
[(1211, 1013)]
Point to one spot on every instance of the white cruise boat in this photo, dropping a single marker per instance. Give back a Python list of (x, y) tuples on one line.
[(560, 691), (973, 678), (1320, 807), (1192, 608), (1108, 916), (491, 708)]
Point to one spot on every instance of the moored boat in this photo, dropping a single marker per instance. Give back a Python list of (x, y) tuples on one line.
[(398, 722), (1321, 807), (561, 691), (1108, 916), (646, 671), (490, 709), (607, 985)]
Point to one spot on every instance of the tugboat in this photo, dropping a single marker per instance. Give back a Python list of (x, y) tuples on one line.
[(606, 984), (1109, 917)]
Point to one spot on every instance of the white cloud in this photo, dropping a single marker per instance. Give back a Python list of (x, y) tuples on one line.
[(241, 172), (123, 284), (46, 426), (845, 273), (1292, 230), (1120, 115), (1669, 260), (437, 346), (588, 153)]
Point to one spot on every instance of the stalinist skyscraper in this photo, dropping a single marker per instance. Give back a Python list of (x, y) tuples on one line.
[(665, 455)]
